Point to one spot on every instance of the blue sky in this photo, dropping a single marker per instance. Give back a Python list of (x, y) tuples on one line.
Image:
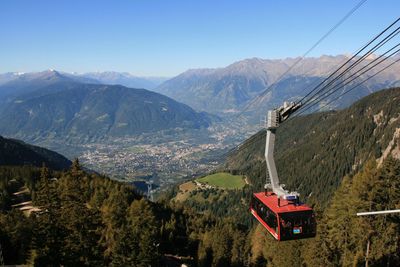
[(167, 37)]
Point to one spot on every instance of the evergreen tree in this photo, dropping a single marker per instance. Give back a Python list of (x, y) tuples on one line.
[(76, 169), (15, 237), (48, 234), (139, 239), (82, 224), (113, 212)]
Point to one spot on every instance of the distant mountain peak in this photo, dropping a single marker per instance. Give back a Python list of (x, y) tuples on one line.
[(237, 85), (372, 56), (51, 73), (46, 74)]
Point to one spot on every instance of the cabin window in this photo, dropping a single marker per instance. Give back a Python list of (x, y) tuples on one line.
[(297, 223), (266, 214)]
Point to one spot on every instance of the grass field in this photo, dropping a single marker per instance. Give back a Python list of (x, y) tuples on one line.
[(223, 180)]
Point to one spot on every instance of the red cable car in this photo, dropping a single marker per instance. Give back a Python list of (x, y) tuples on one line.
[(286, 220), (280, 211)]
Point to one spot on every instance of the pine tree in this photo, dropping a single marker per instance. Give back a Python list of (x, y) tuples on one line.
[(113, 212), (15, 236), (48, 234), (81, 223), (76, 169), (140, 238)]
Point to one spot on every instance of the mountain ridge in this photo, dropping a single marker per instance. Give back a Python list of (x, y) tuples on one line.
[(125, 79), (56, 105), (16, 153), (232, 88), (100, 77)]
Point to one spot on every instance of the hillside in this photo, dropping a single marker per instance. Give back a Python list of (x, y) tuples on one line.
[(17, 153), (90, 220), (230, 89), (55, 106), (314, 152)]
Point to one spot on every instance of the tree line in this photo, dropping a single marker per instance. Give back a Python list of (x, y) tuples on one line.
[(90, 220)]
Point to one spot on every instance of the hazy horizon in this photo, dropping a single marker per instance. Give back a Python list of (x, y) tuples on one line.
[(164, 77)]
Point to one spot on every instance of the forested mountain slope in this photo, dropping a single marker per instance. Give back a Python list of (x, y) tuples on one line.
[(17, 153), (90, 220), (343, 238), (55, 106), (314, 152)]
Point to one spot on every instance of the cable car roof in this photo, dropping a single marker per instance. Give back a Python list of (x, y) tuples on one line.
[(271, 201)]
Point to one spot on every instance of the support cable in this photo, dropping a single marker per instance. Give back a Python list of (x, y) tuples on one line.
[(269, 88), (325, 105), (345, 71), (350, 59), (336, 88)]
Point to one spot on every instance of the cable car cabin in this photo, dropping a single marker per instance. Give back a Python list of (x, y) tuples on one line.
[(286, 221)]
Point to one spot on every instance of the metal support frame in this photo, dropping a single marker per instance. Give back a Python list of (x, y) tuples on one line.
[(274, 118), (271, 168)]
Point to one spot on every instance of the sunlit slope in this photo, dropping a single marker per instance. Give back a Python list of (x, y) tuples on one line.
[(223, 180)]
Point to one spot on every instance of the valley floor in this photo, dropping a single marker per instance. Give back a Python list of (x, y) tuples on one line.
[(163, 158)]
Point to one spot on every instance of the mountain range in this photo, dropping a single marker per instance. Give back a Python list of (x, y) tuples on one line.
[(50, 104), (237, 87), (106, 77), (125, 79), (94, 105)]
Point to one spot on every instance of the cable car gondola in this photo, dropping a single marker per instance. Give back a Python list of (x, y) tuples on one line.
[(286, 220), (280, 212)]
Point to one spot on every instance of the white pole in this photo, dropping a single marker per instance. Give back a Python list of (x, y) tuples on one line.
[(377, 212)]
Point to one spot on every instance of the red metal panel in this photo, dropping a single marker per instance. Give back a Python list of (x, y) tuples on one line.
[(271, 201)]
